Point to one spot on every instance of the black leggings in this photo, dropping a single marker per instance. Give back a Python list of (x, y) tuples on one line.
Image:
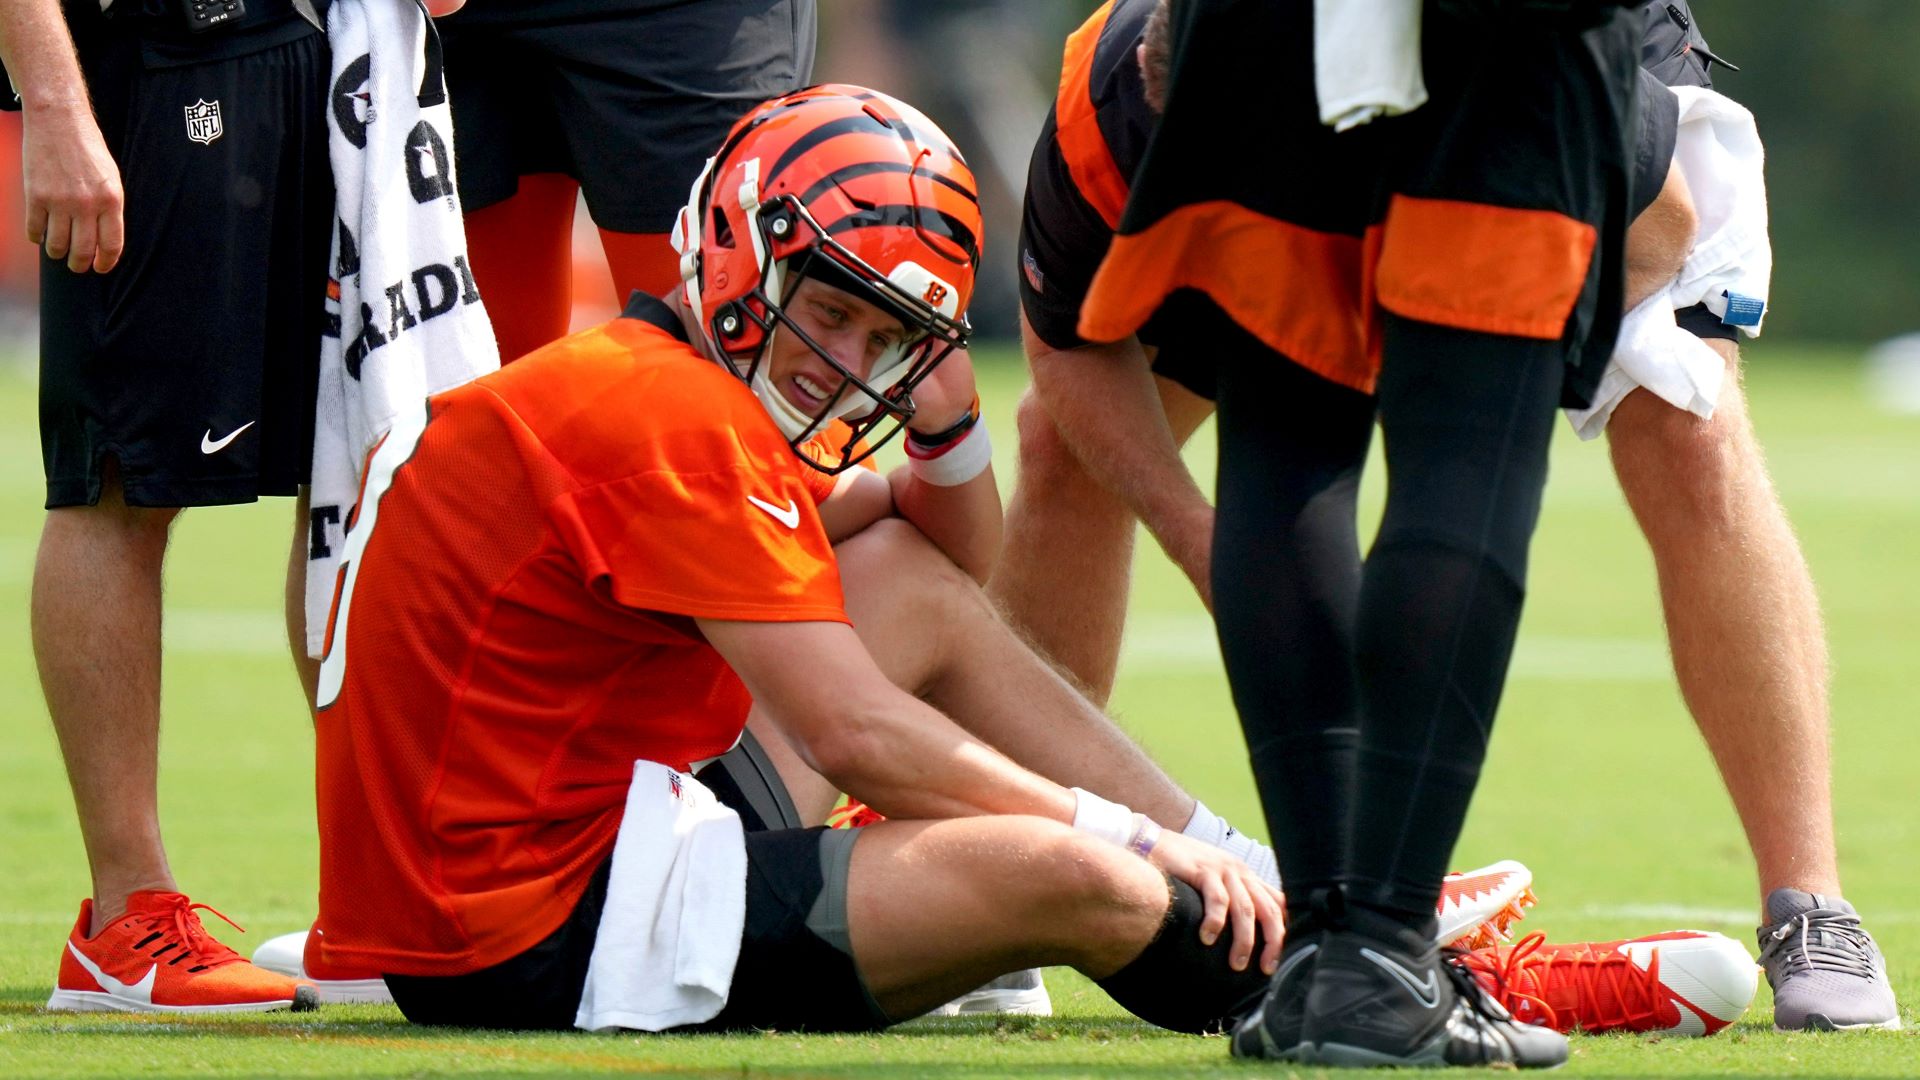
[(1367, 693)]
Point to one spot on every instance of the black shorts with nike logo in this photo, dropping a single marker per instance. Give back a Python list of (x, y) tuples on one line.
[(193, 363)]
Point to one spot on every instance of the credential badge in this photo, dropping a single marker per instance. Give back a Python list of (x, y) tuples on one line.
[(203, 121)]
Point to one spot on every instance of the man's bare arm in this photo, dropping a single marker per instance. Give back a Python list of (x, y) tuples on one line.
[(1104, 402), (73, 195), (875, 741)]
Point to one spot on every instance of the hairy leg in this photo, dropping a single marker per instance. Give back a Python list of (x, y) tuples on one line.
[(96, 640), (935, 634), (1743, 621), (1060, 517), (935, 909), (522, 255)]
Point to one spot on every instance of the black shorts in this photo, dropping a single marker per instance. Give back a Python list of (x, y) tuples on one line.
[(629, 97), (194, 362), (1500, 207), (790, 976)]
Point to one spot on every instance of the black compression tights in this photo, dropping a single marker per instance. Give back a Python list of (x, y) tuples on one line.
[(1366, 696)]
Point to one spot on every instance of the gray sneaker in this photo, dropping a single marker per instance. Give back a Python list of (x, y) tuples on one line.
[(1826, 972)]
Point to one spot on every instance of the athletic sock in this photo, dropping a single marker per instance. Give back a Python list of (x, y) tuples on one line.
[(1182, 985), (1210, 828)]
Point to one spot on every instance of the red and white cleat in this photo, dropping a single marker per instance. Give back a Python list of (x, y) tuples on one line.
[(298, 954), (1479, 906), (159, 958), (1682, 982)]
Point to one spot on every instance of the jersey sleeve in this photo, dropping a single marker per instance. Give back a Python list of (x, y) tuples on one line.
[(1062, 242), (723, 528)]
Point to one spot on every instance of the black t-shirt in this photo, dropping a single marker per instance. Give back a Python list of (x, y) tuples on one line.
[(1064, 236)]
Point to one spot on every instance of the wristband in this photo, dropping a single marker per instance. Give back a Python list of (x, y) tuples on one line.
[(1097, 817), (952, 463), (1146, 833), (950, 433)]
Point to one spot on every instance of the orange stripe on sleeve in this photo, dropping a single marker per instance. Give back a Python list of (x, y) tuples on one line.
[(1296, 289), (1082, 145), (1492, 269)]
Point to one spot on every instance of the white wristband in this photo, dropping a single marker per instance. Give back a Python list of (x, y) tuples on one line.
[(1107, 820), (955, 463)]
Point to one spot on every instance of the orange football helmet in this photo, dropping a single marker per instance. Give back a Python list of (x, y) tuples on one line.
[(853, 188)]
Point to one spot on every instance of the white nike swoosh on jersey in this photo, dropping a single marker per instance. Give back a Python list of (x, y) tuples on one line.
[(1426, 992), (788, 515), (211, 445), (141, 991)]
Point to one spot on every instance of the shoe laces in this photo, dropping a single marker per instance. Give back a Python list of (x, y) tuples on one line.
[(1609, 990), (173, 927), (1497, 928), (1477, 1029), (1821, 939)]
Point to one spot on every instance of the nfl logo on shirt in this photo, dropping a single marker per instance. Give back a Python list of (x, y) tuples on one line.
[(203, 121), (673, 785)]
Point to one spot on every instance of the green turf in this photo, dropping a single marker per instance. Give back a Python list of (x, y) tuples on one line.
[(1597, 781)]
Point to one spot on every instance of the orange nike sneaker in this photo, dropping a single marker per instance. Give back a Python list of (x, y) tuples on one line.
[(1682, 982), (1478, 908), (158, 958)]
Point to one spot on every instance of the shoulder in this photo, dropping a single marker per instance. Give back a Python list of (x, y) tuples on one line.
[(624, 398)]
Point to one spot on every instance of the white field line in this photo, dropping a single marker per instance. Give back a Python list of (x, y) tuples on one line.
[(1185, 644)]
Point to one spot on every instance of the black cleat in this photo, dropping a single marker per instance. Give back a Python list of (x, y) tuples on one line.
[(1381, 995), (1272, 1029)]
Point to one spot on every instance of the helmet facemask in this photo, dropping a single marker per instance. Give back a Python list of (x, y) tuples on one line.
[(875, 407)]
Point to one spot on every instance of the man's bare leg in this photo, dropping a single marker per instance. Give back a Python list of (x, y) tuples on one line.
[(1063, 574), (1743, 621), (96, 640), (935, 909), (937, 636), (305, 667)]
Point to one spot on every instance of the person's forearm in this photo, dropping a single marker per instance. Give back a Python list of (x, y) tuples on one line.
[(1107, 409), (962, 520), (907, 760), (39, 56)]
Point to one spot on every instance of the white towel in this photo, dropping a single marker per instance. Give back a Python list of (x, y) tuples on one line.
[(1718, 151), (405, 319), (676, 908), (1366, 60)]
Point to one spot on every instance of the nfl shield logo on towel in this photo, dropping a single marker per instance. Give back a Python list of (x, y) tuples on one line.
[(203, 121)]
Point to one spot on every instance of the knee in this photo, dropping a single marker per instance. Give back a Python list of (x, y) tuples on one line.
[(892, 554), (1045, 458), (1107, 901), (1676, 469)]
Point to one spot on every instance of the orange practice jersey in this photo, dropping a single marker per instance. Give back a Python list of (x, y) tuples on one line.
[(515, 628)]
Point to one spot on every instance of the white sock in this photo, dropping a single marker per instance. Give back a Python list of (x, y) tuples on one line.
[(1210, 828)]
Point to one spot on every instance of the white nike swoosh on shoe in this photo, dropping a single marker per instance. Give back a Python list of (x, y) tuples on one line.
[(788, 515), (211, 445), (1427, 992), (141, 992)]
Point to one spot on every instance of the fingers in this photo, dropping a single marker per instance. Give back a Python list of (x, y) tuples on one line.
[(59, 234), (1217, 902), (1243, 921), (113, 240), (86, 238), (1273, 925), (36, 222)]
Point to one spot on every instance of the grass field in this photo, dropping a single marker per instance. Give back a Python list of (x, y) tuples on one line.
[(1597, 781)]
